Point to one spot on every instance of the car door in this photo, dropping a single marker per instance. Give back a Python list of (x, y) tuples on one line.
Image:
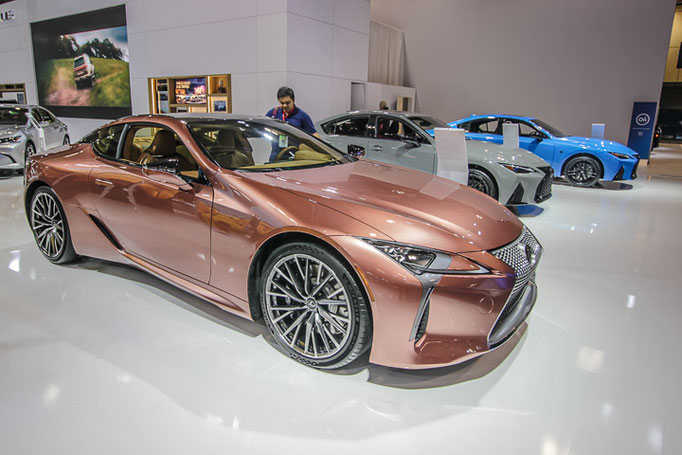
[(348, 134), (51, 128), (534, 140), (397, 142), (152, 213), (485, 129)]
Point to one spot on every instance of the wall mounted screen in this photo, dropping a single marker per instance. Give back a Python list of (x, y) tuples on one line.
[(81, 64)]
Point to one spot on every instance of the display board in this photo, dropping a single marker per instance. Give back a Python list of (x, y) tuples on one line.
[(202, 93), (82, 65)]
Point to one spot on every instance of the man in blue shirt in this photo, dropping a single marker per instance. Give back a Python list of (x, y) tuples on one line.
[(289, 113)]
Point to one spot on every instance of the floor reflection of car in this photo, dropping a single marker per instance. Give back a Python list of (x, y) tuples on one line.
[(336, 254), (83, 71), (20, 133), (512, 176), (582, 160)]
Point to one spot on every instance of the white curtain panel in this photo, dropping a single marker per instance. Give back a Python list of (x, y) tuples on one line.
[(386, 54)]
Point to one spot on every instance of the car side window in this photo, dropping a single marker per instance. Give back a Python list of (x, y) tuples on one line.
[(105, 140), (484, 126), (146, 145), (525, 130), (353, 126), (36, 116), (45, 116), (392, 128)]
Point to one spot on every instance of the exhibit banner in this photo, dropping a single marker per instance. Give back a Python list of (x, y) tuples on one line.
[(642, 127), (82, 64)]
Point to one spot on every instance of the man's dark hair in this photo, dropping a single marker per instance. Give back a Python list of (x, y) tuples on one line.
[(285, 91)]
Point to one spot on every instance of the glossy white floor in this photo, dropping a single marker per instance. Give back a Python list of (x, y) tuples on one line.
[(100, 358)]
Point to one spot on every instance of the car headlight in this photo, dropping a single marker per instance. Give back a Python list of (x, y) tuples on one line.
[(622, 156), (417, 260), (518, 169), (16, 138)]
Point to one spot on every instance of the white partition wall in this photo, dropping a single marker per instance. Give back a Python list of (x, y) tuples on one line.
[(315, 46)]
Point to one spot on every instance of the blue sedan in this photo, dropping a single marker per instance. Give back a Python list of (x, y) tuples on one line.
[(583, 161)]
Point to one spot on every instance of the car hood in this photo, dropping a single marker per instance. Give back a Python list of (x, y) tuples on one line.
[(404, 205), (601, 145), (10, 130), (490, 151)]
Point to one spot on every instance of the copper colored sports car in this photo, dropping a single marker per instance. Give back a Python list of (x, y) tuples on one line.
[(337, 254)]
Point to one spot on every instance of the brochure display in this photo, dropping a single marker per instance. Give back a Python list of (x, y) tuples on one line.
[(451, 149)]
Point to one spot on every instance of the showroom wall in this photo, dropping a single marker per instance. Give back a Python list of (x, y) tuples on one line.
[(316, 46), (572, 63)]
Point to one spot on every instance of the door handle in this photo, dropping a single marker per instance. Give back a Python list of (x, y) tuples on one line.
[(104, 183)]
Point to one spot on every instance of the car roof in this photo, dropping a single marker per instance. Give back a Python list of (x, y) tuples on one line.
[(390, 113), (15, 105), (492, 116)]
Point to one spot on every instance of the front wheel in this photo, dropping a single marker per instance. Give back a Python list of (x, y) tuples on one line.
[(481, 181), (50, 228), (583, 171), (314, 306)]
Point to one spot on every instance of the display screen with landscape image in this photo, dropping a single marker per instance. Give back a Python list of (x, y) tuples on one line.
[(81, 64)]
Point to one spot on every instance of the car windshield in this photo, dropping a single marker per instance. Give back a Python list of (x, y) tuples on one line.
[(13, 116), (549, 128), (428, 123), (78, 62), (262, 146)]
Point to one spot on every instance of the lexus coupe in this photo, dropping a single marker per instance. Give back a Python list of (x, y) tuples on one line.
[(337, 254)]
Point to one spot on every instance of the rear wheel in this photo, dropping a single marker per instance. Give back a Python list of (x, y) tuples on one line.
[(314, 307), (481, 181), (50, 228), (583, 171)]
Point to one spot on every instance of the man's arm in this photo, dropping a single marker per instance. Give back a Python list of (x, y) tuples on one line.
[(308, 125)]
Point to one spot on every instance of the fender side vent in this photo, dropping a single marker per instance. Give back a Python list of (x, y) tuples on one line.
[(106, 232)]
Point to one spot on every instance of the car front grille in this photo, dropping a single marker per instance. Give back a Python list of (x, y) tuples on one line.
[(522, 255), (544, 190)]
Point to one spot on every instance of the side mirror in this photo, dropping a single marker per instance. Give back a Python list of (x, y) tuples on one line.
[(410, 140), (170, 165), (166, 171)]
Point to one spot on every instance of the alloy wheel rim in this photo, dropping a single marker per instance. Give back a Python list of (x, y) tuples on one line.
[(582, 172), (308, 306), (47, 224), (478, 183)]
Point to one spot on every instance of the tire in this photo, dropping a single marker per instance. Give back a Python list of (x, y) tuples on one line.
[(483, 182), (66, 140), (583, 171), (309, 328), (50, 227), (29, 151)]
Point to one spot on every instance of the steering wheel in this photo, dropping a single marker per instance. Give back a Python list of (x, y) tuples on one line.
[(286, 150)]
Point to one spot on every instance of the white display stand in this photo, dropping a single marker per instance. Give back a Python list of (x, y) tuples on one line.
[(41, 134), (598, 130), (510, 135), (451, 149)]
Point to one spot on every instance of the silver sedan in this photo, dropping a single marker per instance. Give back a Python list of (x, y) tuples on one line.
[(26, 130), (511, 175)]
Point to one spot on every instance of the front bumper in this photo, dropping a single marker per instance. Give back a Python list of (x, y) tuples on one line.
[(622, 170), (14, 154), (532, 188), (465, 315)]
